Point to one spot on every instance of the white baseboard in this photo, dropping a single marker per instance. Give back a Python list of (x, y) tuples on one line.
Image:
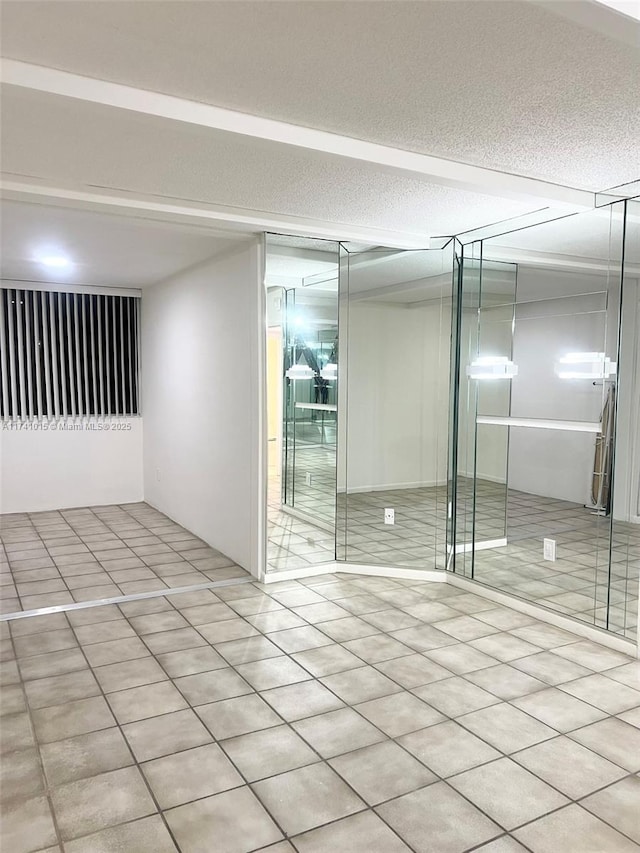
[(392, 487), (574, 626)]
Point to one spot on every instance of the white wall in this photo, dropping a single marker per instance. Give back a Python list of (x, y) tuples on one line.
[(397, 394), (201, 352), (44, 469)]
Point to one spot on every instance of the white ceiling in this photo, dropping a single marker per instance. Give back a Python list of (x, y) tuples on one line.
[(66, 142), (104, 250), (511, 86), (545, 89)]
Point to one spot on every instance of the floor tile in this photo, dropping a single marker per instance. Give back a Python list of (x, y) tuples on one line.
[(72, 718), (424, 638), (191, 661), (116, 629), (268, 752), (361, 833), (338, 731), (456, 696), (613, 739), (413, 671), (147, 835), (550, 668), (89, 805), (47, 641), (556, 708), (528, 797), (447, 748), (236, 820), (573, 830), (438, 818), (20, 776), (382, 772), (151, 700), (190, 775), (399, 714), (360, 685), (26, 826), (163, 735), (377, 648), (604, 693), (349, 628), (275, 672), (85, 755), (305, 699), (595, 657), (61, 688), (248, 649), (327, 660), (308, 797), (131, 673), (505, 727), (174, 641), (210, 686), (618, 805), (238, 716), (116, 651), (505, 844), (570, 767)]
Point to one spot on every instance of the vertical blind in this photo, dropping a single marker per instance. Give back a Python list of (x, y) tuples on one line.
[(68, 354)]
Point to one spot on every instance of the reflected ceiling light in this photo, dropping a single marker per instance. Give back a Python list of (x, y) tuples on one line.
[(492, 367), (300, 371), (329, 371), (585, 365)]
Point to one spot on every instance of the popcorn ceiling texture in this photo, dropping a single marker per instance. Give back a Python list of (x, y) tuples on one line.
[(507, 85)]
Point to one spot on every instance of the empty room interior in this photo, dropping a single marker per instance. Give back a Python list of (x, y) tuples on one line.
[(319, 406)]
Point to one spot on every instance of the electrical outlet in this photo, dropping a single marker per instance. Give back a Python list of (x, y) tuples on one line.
[(389, 516), (549, 549), (157, 475), (308, 478)]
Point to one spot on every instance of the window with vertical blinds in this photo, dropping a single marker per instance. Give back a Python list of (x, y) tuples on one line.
[(68, 354)]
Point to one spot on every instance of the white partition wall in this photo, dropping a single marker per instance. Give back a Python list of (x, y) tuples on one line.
[(201, 339)]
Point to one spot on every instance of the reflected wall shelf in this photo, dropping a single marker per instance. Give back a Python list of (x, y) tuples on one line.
[(541, 423), (323, 407)]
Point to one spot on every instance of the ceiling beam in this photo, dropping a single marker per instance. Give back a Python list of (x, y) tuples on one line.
[(219, 217), (436, 169)]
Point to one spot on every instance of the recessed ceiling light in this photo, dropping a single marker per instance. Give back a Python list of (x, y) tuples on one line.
[(57, 261)]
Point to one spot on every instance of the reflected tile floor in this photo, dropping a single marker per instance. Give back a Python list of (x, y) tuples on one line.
[(66, 556), (340, 713), (576, 584)]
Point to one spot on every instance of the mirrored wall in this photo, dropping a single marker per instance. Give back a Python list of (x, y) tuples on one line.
[(395, 330), (301, 279), (472, 407), (545, 482)]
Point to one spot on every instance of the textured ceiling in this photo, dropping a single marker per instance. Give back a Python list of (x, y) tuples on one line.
[(507, 85), (67, 142), (104, 249)]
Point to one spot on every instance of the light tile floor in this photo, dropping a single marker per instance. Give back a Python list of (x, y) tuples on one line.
[(341, 713), (67, 556)]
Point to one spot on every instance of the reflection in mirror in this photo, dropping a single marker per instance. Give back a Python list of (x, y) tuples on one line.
[(395, 327), (544, 438), (301, 279)]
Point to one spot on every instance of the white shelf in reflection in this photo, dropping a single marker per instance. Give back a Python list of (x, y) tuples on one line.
[(323, 407), (541, 423)]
